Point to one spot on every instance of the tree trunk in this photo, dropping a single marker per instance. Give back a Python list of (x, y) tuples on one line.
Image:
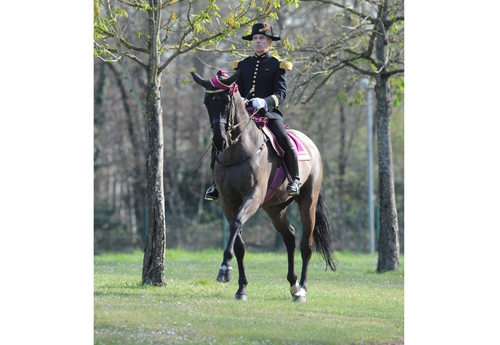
[(342, 159), (154, 253), (388, 244), (153, 268)]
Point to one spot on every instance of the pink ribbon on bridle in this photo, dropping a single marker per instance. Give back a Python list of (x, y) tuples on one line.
[(218, 84)]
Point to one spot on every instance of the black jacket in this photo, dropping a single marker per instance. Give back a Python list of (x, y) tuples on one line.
[(264, 77)]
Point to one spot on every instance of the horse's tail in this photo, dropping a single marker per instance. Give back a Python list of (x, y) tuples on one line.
[(321, 233)]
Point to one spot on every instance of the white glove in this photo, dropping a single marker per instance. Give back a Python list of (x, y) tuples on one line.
[(259, 103)]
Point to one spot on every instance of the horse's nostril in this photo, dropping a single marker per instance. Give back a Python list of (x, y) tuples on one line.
[(221, 146)]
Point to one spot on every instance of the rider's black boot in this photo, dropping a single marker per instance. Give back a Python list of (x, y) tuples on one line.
[(212, 193), (292, 163)]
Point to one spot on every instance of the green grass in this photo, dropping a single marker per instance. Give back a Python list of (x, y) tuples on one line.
[(354, 305)]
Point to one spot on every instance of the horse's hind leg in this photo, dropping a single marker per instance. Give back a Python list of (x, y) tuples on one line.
[(307, 208), (283, 226)]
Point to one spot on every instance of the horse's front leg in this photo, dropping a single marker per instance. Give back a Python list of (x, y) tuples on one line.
[(225, 270), (239, 251), (236, 246)]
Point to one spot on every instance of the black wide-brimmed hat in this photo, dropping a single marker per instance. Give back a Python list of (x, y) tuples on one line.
[(262, 29)]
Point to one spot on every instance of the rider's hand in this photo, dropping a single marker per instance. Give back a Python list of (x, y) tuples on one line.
[(259, 103)]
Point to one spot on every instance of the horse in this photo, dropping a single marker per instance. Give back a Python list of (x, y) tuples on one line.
[(244, 171)]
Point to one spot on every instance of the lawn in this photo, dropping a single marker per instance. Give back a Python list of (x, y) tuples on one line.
[(354, 305)]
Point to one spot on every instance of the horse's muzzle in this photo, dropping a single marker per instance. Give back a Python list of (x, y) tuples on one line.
[(218, 139), (221, 146)]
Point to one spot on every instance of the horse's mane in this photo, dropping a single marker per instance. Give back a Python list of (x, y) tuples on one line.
[(239, 105)]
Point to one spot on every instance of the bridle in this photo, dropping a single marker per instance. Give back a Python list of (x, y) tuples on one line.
[(230, 126)]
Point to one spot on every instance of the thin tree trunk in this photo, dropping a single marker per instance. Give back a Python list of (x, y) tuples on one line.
[(138, 176), (342, 158), (388, 245), (174, 200), (154, 253), (153, 269)]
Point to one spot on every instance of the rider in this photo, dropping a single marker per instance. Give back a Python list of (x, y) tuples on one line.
[(263, 81)]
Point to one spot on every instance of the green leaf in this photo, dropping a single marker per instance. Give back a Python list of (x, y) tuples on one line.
[(121, 12)]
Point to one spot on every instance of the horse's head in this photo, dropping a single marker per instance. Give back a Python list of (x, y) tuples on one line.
[(219, 100)]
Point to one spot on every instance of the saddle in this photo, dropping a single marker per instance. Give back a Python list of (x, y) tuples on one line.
[(282, 170)]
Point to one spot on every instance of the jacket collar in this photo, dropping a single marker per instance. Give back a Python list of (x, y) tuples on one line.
[(265, 55)]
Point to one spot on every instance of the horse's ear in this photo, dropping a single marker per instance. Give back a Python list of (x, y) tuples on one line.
[(200, 80), (232, 78)]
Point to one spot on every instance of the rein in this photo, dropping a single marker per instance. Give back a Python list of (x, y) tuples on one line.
[(231, 127)]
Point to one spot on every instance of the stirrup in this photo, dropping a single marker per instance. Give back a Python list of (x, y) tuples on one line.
[(212, 194), (293, 188)]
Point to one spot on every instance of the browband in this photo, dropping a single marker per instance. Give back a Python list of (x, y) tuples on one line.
[(221, 86)]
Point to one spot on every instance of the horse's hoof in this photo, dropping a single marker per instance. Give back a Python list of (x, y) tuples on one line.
[(298, 298), (240, 297), (300, 294), (225, 274)]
